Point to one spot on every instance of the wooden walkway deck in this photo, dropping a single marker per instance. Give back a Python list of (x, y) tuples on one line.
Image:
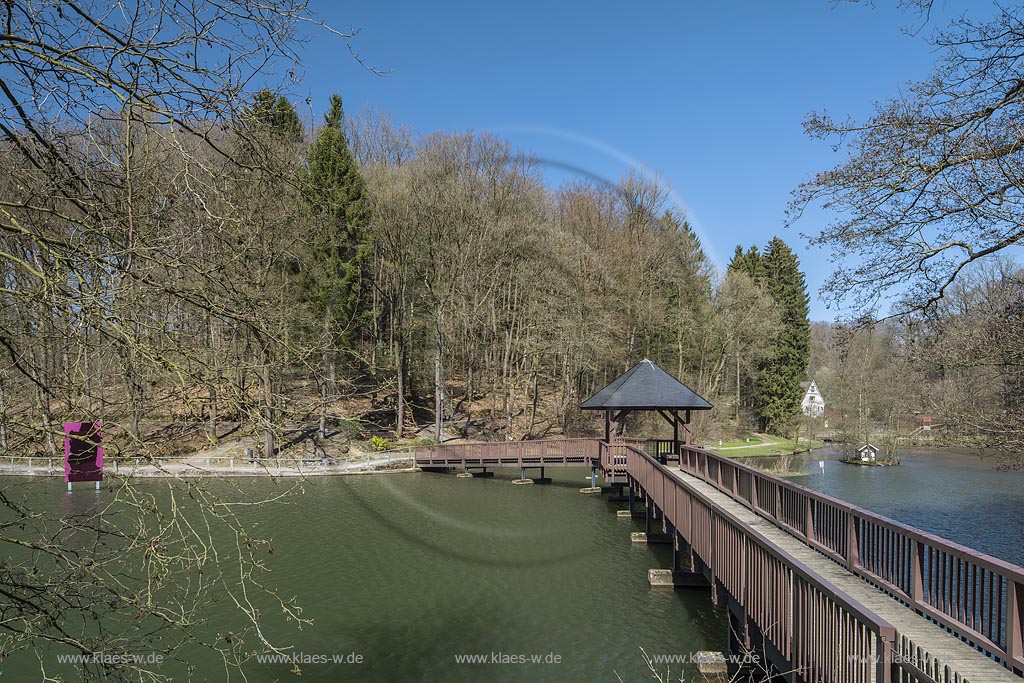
[(956, 661)]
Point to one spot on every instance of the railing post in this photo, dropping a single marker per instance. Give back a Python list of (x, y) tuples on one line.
[(917, 573), (884, 663), (1014, 624), (852, 542), (809, 519)]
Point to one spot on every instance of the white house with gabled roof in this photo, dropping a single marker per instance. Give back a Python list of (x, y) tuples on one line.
[(813, 404)]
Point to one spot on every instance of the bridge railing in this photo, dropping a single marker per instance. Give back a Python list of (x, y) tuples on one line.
[(507, 453), (976, 596), (581, 452), (823, 632), (657, 448), (613, 461)]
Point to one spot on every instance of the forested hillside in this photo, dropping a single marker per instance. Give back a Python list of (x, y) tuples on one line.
[(355, 279)]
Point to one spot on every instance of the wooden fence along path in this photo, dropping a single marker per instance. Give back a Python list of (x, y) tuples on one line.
[(828, 591)]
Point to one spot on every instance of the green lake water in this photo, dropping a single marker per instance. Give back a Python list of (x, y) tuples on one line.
[(410, 570)]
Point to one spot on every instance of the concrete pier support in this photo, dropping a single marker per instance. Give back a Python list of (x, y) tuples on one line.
[(667, 578), (642, 538), (712, 667)]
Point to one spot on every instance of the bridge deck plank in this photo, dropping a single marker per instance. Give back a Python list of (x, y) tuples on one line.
[(973, 666)]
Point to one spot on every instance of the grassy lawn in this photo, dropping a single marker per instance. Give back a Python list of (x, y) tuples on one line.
[(763, 446), (754, 439)]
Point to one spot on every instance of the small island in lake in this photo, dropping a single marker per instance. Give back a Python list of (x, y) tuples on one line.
[(867, 455)]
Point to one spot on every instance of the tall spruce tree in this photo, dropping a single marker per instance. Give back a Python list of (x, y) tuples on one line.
[(777, 392), (748, 262), (276, 113), (340, 246)]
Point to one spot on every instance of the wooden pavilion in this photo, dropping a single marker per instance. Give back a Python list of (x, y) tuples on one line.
[(647, 387)]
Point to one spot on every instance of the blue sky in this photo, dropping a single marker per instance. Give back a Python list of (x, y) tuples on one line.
[(709, 95)]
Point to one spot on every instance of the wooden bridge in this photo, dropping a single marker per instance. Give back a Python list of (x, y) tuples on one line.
[(827, 591)]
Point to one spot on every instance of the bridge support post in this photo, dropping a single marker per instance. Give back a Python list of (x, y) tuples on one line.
[(617, 494), (523, 479), (594, 488), (652, 515), (682, 554)]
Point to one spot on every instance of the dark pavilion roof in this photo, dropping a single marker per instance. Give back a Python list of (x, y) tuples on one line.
[(645, 386)]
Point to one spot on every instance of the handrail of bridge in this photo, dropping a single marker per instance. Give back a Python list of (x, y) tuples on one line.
[(495, 453), (825, 633), (976, 596)]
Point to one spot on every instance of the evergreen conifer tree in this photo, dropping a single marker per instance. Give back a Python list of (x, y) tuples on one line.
[(341, 243), (777, 392)]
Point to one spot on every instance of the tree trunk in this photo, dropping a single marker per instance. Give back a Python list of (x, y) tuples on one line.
[(469, 401), (438, 380), (400, 377), (268, 407), (737, 387), (3, 418), (322, 431), (212, 356), (533, 409)]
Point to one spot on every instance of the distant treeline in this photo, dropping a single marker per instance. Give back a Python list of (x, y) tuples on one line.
[(959, 368)]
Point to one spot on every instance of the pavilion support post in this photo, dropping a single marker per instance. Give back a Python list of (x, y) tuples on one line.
[(613, 422), (687, 429), (675, 432)]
